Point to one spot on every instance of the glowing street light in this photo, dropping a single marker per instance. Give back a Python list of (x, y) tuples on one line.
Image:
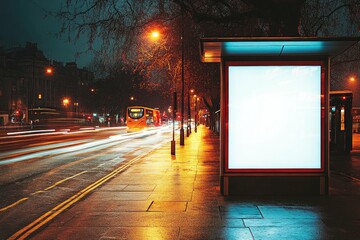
[(155, 34), (66, 102), (49, 71)]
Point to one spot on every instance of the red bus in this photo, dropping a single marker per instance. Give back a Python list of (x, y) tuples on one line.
[(139, 118)]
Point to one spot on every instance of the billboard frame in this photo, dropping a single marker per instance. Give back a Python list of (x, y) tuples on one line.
[(285, 50), (226, 112)]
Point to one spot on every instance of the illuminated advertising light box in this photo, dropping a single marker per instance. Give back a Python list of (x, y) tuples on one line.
[(274, 117)]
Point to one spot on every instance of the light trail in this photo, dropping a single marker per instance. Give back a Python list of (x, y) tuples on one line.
[(43, 147), (30, 132), (74, 146), (31, 154), (48, 216), (23, 134), (80, 148)]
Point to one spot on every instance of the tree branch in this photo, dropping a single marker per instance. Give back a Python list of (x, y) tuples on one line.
[(321, 18)]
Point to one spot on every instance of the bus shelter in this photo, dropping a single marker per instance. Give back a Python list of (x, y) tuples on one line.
[(274, 126)]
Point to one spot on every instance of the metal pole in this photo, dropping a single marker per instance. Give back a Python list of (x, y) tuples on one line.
[(182, 142), (189, 116), (173, 123), (196, 114), (32, 101)]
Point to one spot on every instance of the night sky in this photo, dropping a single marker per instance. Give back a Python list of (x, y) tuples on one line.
[(24, 21)]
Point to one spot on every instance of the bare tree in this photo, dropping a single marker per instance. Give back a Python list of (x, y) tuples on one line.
[(330, 18), (336, 18), (118, 30)]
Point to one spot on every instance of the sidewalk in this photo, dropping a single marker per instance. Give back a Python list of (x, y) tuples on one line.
[(165, 197)]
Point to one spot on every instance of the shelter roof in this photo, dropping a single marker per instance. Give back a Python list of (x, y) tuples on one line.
[(213, 49)]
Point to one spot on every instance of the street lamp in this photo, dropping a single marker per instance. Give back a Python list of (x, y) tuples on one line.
[(155, 35), (66, 102), (182, 141), (173, 122), (49, 71)]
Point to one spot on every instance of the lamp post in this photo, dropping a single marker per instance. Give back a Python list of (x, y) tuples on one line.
[(173, 123), (154, 36), (49, 85), (66, 102), (182, 141)]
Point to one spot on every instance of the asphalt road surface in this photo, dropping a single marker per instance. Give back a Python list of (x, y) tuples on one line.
[(39, 171)]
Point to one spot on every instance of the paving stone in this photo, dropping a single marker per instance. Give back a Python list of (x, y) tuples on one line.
[(167, 206)]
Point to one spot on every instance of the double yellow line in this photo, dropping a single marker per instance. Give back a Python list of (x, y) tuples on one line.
[(45, 218)]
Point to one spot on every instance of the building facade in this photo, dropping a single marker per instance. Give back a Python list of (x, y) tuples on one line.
[(29, 80)]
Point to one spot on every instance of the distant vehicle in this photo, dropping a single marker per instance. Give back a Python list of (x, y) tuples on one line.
[(42, 115), (50, 116), (139, 118)]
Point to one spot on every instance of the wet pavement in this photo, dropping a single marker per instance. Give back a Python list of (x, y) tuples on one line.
[(165, 197)]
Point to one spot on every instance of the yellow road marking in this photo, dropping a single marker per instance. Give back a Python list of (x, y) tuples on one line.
[(34, 193), (45, 218), (57, 183), (40, 191), (13, 204), (64, 180)]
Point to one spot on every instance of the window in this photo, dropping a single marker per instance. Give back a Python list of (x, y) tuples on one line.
[(136, 113)]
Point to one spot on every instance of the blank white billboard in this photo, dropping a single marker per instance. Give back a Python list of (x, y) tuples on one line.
[(274, 117)]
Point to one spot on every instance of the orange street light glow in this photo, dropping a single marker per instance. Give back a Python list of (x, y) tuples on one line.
[(49, 70), (155, 34), (66, 101)]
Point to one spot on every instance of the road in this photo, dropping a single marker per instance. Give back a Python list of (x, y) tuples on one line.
[(43, 174), (39, 172)]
